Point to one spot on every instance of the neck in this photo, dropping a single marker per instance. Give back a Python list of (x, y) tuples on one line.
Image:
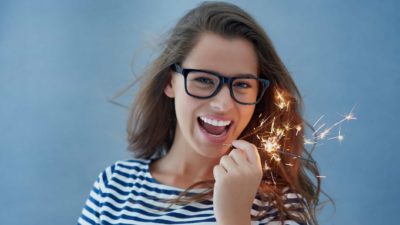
[(185, 162), (182, 161), (181, 170)]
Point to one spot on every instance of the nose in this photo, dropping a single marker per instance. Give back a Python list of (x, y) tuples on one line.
[(222, 102)]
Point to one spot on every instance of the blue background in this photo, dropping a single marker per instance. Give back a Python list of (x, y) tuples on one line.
[(61, 60)]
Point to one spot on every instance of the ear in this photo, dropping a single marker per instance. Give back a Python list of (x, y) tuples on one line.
[(169, 90)]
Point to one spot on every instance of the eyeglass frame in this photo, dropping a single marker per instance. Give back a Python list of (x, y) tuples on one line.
[(222, 80)]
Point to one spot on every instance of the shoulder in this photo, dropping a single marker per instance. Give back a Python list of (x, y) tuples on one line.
[(130, 165), (124, 170), (286, 222), (291, 200)]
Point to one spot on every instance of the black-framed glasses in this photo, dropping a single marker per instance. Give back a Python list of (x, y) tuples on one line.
[(203, 84)]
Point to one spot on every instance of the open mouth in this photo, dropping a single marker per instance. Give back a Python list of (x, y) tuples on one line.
[(214, 127)]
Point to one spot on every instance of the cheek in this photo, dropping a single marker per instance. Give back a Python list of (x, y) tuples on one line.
[(245, 115), (184, 108)]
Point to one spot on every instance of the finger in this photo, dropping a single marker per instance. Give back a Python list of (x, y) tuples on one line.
[(228, 163), (250, 150), (218, 172), (238, 156)]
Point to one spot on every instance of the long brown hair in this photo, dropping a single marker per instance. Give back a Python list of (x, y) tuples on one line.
[(152, 119)]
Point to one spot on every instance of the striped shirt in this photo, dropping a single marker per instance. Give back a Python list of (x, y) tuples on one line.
[(126, 193)]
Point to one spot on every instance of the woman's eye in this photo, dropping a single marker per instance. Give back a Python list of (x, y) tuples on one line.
[(242, 85), (204, 80)]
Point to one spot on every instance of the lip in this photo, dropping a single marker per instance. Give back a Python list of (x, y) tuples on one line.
[(216, 139)]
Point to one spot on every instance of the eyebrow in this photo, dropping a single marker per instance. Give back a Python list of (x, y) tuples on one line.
[(241, 75)]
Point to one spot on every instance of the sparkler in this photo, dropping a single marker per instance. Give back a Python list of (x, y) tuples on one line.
[(273, 141)]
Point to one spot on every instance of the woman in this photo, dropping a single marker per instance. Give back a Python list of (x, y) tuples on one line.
[(203, 128)]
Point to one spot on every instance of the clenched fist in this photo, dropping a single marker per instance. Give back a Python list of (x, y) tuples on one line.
[(237, 178)]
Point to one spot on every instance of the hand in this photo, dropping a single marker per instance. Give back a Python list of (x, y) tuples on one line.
[(237, 178)]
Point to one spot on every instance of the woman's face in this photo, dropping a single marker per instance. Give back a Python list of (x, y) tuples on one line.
[(204, 125)]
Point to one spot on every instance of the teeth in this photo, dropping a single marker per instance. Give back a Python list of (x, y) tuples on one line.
[(220, 123)]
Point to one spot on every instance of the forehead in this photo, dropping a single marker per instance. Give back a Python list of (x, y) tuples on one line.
[(230, 56)]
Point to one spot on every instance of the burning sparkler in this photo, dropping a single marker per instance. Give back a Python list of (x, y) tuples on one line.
[(273, 141), (274, 136)]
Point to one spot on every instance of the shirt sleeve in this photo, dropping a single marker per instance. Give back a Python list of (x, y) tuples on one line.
[(91, 211)]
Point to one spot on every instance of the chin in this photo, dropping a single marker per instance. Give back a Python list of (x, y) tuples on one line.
[(213, 152)]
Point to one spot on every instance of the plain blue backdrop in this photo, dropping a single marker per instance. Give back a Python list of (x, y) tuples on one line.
[(61, 60)]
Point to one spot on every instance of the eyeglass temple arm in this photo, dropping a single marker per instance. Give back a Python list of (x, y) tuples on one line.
[(175, 67)]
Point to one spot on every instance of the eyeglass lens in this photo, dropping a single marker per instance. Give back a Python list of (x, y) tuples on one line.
[(203, 84)]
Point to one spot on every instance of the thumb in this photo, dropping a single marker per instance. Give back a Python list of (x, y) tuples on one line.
[(249, 149)]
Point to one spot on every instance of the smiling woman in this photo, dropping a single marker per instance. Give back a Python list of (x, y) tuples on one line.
[(193, 131)]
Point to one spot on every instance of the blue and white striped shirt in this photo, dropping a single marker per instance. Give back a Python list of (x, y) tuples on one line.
[(126, 193)]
